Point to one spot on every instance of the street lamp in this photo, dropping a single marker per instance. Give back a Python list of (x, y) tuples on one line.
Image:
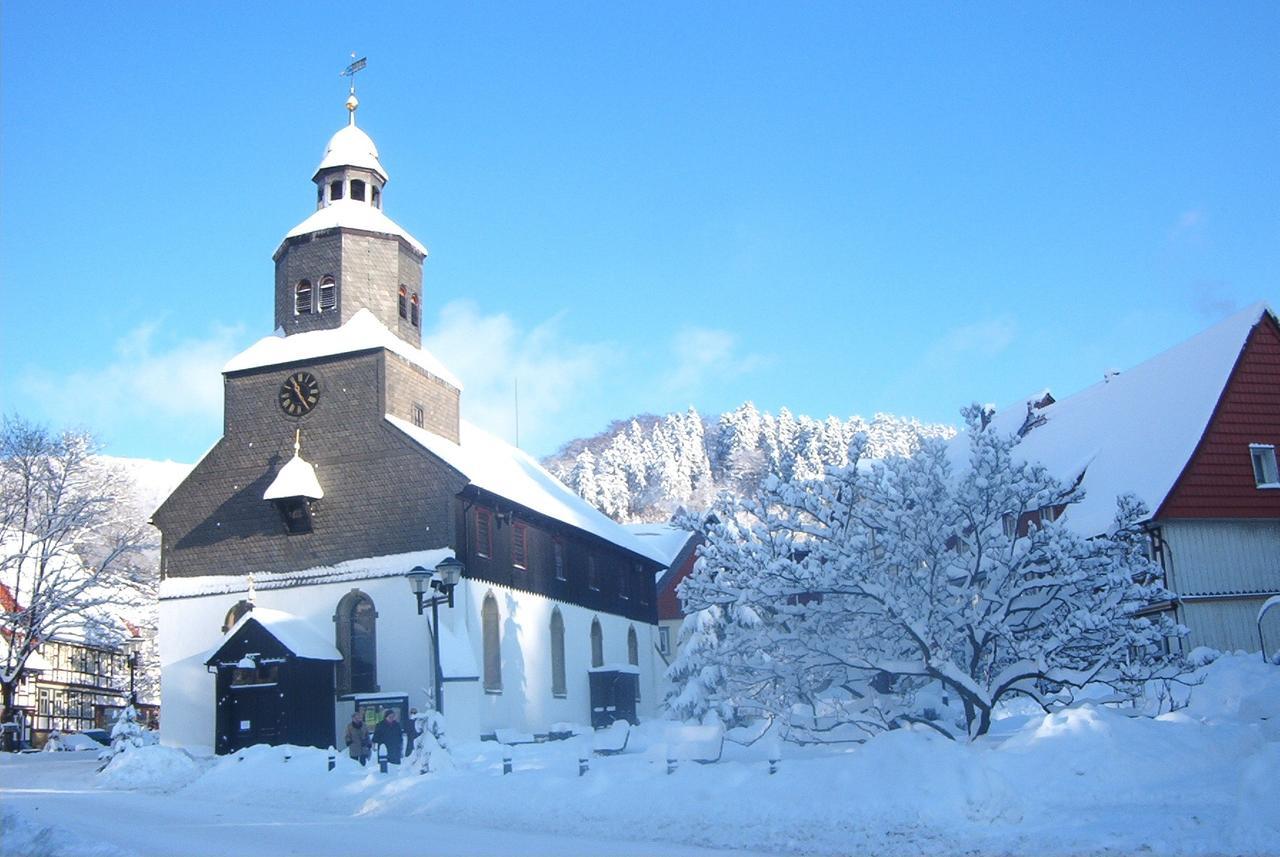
[(442, 581), (132, 647)]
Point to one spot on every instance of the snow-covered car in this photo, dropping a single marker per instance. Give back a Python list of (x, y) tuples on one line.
[(102, 736), (75, 741)]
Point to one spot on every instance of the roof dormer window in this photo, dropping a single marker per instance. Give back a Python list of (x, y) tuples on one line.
[(1265, 472)]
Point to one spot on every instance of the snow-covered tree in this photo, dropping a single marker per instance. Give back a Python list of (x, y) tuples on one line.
[(126, 734), (699, 690), (68, 546), (430, 752), (909, 591)]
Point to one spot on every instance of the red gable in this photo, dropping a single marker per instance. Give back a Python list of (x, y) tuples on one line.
[(1218, 481)]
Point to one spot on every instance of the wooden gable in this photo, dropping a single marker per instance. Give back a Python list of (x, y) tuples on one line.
[(1218, 480)]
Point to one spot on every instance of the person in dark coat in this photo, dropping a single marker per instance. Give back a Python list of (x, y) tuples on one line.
[(390, 734), (357, 737), (410, 731)]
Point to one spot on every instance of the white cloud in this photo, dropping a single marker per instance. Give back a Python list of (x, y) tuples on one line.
[(491, 353), (700, 355), (145, 382)]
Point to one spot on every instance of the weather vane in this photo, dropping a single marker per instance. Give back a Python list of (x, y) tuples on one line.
[(350, 71)]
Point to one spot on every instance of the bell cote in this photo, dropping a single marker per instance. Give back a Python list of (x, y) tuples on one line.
[(348, 255)]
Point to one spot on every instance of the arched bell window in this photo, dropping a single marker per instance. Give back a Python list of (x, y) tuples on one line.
[(302, 298), (597, 644), (558, 684), (357, 189), (357, 637), (404, 302), (492, 643), (328, 294), (414, 314)]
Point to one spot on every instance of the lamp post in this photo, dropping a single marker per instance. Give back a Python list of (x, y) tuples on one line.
[(132, 646), (442, 582)]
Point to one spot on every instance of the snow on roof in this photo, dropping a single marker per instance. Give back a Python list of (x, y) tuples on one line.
[(296, 479), (667, 539), (364, 568), (354, 214), (351, 147), (362, 332), (293, 632), (499, 468), (1136, 430)]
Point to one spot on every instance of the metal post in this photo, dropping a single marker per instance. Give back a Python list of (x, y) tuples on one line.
[(773, 765), (382, 758), (583, 765), (333, 758), (133, 663), (435, 649), (506, 762), (671, 766)]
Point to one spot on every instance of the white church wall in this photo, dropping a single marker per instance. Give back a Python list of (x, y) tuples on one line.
[(191, 630), (526, 701)]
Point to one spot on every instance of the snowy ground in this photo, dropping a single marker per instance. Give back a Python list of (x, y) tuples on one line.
[(1090, 780)]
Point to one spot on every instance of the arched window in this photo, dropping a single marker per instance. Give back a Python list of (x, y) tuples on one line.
[(235, 614), (377, 197), (597, 644), (328, 295), (413, 310), (302, 298), (404, 303), (492, 642), (557, 654), (335, 190), (357, 633), (633, 647), (357, 189)]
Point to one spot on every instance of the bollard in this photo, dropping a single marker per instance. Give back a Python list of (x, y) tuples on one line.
[(671, 766), (382, 758), (333, 758), (506, 762), (583, 765), (773, 765)]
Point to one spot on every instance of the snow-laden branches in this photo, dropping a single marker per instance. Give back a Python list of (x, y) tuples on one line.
[(903, 592), (69, 545)]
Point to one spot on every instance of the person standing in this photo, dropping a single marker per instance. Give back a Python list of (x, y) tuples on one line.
[(390, 734), (357, 737)]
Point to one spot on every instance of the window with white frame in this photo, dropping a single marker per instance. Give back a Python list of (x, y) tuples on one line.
[(1265, 473)]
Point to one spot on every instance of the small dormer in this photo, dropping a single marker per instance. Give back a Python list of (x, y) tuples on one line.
[(293, 491)]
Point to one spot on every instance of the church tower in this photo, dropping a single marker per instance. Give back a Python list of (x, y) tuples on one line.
[(348, 255)]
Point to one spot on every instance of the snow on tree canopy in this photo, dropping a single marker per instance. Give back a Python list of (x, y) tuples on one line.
[(1134, 431), (296, 479), (362, 332), (294, 633), (494, 466)]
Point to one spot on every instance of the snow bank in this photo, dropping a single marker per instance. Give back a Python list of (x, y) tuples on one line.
[(23, 835), (1086, 780), (154, 768)]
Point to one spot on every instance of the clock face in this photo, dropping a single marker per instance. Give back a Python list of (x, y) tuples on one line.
[(299, 394)]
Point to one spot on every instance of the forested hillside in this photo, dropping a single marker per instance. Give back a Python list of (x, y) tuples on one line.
[(644, 468)]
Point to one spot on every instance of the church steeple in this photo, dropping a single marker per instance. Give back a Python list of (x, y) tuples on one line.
[(348, 255)]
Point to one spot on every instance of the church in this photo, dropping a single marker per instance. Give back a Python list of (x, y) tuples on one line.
[(350, 544)]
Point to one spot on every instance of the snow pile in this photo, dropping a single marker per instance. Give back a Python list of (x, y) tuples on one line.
[(22, 835), (153, 768)]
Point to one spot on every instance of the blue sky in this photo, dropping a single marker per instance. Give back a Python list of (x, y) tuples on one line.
[(838, 208)]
